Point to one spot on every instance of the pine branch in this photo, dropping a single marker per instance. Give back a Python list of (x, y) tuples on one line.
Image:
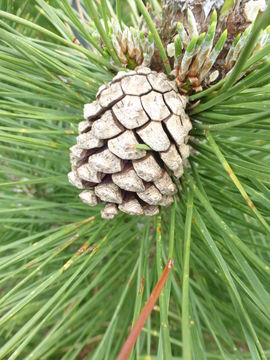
[(71, 283)]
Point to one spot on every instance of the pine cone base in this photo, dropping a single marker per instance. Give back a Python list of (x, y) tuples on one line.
[(108, 161)]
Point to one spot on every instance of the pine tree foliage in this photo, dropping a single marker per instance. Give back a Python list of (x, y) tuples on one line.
[(73, 284)]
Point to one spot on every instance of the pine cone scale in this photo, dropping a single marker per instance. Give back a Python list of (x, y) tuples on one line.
[(135, 85), (106, 162), (130, 113), (154, 105), (147, 168), (124, 146), (111, 95), (107, 126), (154, 136)]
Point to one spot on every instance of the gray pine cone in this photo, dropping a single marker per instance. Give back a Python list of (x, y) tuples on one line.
[(137, 107)]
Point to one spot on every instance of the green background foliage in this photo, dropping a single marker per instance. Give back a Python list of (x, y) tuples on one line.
[(71, 283)]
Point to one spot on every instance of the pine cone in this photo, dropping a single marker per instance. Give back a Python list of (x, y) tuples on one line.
[(137, 107)]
